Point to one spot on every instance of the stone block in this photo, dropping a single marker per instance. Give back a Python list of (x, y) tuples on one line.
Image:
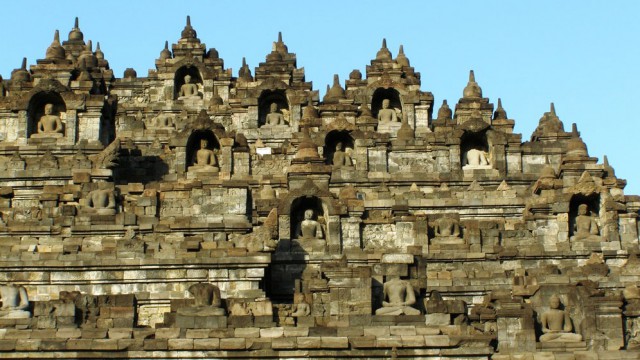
[(94, 333), (240, 321), (104, 344), (68, 333), (397, 259), (130, 344), (197, 333), (436, 340), (296, 331), (351, 331), (412, 340), (232, 344), (180, 344), (334, 342), (142, 333), (437, 319), (275, 332), (388, 342), (376, 331), (155, 344), (119, 333), (283, 343), (258, 343), (50, 345), (79, 344), (81, 177), (43, 333), (167, 333), (13, 334), (322, 331), (206, 344), (221, 333), (7, 345), (29, 344), (247, 332), (402, 330), (363, 342), (210, 322), (312, 342)]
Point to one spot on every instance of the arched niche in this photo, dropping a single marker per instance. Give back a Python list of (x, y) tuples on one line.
[(298, 208), (332, 139), (266, 99), (381, 94), (179, 79), (36, 109), (193, 144), (107, 125), (474, 150), (592, 201)]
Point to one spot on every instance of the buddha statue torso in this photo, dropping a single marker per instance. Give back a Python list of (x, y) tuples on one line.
[(556, 324), (49, 124), (188, 90), (446, 230), (102, 201), (385, 114), (585, 226), (207, 301), (399, 297), (447, 227), (341, 158), (15, 302), (475, 159), (205, 159), (274, 117), (309, 228), (301, 309)]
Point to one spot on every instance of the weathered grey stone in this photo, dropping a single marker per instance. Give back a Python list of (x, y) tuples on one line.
[(136, 211)]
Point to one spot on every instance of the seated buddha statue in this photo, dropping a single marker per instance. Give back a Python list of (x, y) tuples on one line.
[(398, 298), (475, 159), (101, 202), (49, 124), (585, 227), (208, 301), (309, 234), (274, 117), (309, 228), (188, 90), (387, 114), (446, 230), (556, 324), (340, 158), (15, 302), (205, 159)]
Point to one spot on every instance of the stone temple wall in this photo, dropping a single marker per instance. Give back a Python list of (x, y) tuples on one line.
[(197, 213)]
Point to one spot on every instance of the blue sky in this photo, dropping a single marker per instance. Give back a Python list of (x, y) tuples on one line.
[(582, 55)]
